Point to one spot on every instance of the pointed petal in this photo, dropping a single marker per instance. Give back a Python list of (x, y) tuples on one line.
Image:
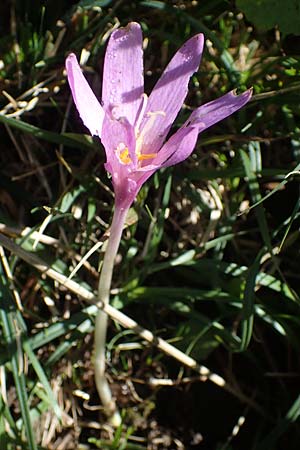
[(90, 110), (123, 82), (183, 142), (178, 147), (207, 115), (169, 93)]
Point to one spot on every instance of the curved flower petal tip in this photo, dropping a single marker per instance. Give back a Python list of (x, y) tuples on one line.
[(123, 81), (170, 91), (207, 115), (89, 108)]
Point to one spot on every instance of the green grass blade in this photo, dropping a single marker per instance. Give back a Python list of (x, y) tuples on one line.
[(225, 57), (43, 379), (291, 220), (248, 303), (68, 139), (291, 416), (256, 197), (16, 355)]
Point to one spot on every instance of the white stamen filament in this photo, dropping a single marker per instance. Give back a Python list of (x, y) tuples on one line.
[(122, 150), (141, 114), (149, 124)]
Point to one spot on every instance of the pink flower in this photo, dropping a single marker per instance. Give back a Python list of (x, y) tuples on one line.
[(132, 127)]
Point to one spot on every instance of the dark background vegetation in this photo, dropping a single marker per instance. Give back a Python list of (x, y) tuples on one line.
[(209, 261)]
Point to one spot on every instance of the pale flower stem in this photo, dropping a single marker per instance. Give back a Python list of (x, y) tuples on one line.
[(104, 286)]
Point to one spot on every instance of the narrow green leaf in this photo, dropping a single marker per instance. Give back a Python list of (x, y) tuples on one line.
[(291, 416), (291, 220), (248, 302), (13, 343), (50, 136), (225, 56), (256, 197), (43, 379)]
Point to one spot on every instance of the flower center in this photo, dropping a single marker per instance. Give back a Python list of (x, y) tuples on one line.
[(152, 116), (122, 153), (122, 150)]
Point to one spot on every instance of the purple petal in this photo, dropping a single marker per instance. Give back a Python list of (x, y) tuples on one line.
[(207, 115), (123, 82), (178, 147), (90, 110), (169, 93), (120, 160), (118, 135)]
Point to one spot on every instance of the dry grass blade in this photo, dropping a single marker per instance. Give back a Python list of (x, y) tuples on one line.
[(127, 322)]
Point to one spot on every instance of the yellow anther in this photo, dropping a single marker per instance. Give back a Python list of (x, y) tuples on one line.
[(123, 154)]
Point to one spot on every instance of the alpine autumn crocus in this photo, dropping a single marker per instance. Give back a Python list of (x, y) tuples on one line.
[(132, 126), (133, 130)]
